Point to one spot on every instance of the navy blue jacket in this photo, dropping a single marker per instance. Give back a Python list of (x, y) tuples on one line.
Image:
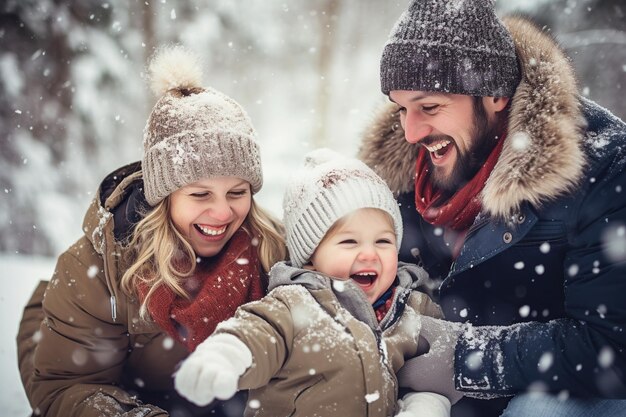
[(542, 272)]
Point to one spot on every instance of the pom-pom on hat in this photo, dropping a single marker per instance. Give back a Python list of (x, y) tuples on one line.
[(193, 132), (327, 188), (451, 46)]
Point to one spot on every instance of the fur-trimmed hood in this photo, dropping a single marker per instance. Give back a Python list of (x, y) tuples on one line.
[(542, 157)]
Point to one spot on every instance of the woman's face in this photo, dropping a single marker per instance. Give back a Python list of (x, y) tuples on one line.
[(208, 212)]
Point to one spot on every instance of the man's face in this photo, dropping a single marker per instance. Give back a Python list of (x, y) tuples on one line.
[(458, 132)]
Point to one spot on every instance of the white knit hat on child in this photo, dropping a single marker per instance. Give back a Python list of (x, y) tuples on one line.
[(327, 188)]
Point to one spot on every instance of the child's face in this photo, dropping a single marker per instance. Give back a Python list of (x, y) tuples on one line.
[(362, 248)]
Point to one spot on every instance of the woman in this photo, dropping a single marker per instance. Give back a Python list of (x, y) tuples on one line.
[(172, 246)]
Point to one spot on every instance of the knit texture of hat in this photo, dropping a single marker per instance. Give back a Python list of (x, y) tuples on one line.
[(451, 46), (327, 188), (194, 132)]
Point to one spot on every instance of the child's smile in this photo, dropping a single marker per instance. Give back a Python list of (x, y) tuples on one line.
[(361, 246)]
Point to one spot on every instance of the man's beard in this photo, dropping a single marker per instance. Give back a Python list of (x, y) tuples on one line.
[(483, 140)]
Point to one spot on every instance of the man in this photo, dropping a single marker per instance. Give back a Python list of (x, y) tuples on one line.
[(513, 193)]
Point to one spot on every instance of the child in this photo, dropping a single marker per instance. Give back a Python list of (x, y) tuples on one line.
[(340, 317)]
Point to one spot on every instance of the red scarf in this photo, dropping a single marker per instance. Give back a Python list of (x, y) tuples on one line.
[(460, 210), (383, 304), (220, 285)]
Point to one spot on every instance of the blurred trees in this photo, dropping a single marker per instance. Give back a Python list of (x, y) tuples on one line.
[(63, 103), (73, 101), (593, 34)]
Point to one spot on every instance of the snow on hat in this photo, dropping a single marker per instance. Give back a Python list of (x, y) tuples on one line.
[(327, 188), (193, 132), (452, 46)]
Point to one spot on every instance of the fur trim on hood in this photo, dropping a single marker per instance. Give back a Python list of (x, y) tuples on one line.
[(542, 157)]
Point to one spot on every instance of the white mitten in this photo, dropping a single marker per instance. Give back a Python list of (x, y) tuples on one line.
[(213, 369), (423, 404)]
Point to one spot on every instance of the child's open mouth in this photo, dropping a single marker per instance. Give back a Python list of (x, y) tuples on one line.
[(364, 279)]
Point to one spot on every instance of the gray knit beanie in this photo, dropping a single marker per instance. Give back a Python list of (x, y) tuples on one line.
[(327, 188), (451, 46), (193, 132)]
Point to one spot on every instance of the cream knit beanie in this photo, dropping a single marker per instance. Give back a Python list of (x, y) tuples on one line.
[(193, 132), (327, 188)]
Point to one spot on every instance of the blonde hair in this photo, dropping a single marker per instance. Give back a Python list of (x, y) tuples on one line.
[(159, 255)]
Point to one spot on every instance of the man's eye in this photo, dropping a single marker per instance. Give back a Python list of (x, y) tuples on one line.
[(430, 109)]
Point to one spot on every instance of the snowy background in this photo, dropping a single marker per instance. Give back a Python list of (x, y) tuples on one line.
[(73, 101)]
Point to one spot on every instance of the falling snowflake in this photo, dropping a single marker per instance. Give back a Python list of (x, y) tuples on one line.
[(524, 311), (36, 336), (606, 357), (545, 247), (242, 261), (474, 360), (168, 343), (614, 239), (520, 141), (545, 362), (92, 271), (370, 398), (338, 285), (79, 357)]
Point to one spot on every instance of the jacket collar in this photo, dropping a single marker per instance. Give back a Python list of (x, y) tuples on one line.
[(348, 294), (99, 226), (111, 193), (542, 156)]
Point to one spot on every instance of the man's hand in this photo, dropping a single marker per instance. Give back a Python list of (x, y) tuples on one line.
[(433, 371), (213, 369)]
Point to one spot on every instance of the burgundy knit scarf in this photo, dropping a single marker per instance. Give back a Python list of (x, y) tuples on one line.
[(220, 285), (460, 210)]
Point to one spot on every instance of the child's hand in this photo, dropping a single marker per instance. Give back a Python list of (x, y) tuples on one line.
[(213, 369), (423, 404)]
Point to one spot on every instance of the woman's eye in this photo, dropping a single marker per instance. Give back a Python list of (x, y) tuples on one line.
[(199, 195), (431, 109), (238, 193)]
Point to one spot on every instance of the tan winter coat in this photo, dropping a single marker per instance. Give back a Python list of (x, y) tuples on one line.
[(318, 349), (92, 355)]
